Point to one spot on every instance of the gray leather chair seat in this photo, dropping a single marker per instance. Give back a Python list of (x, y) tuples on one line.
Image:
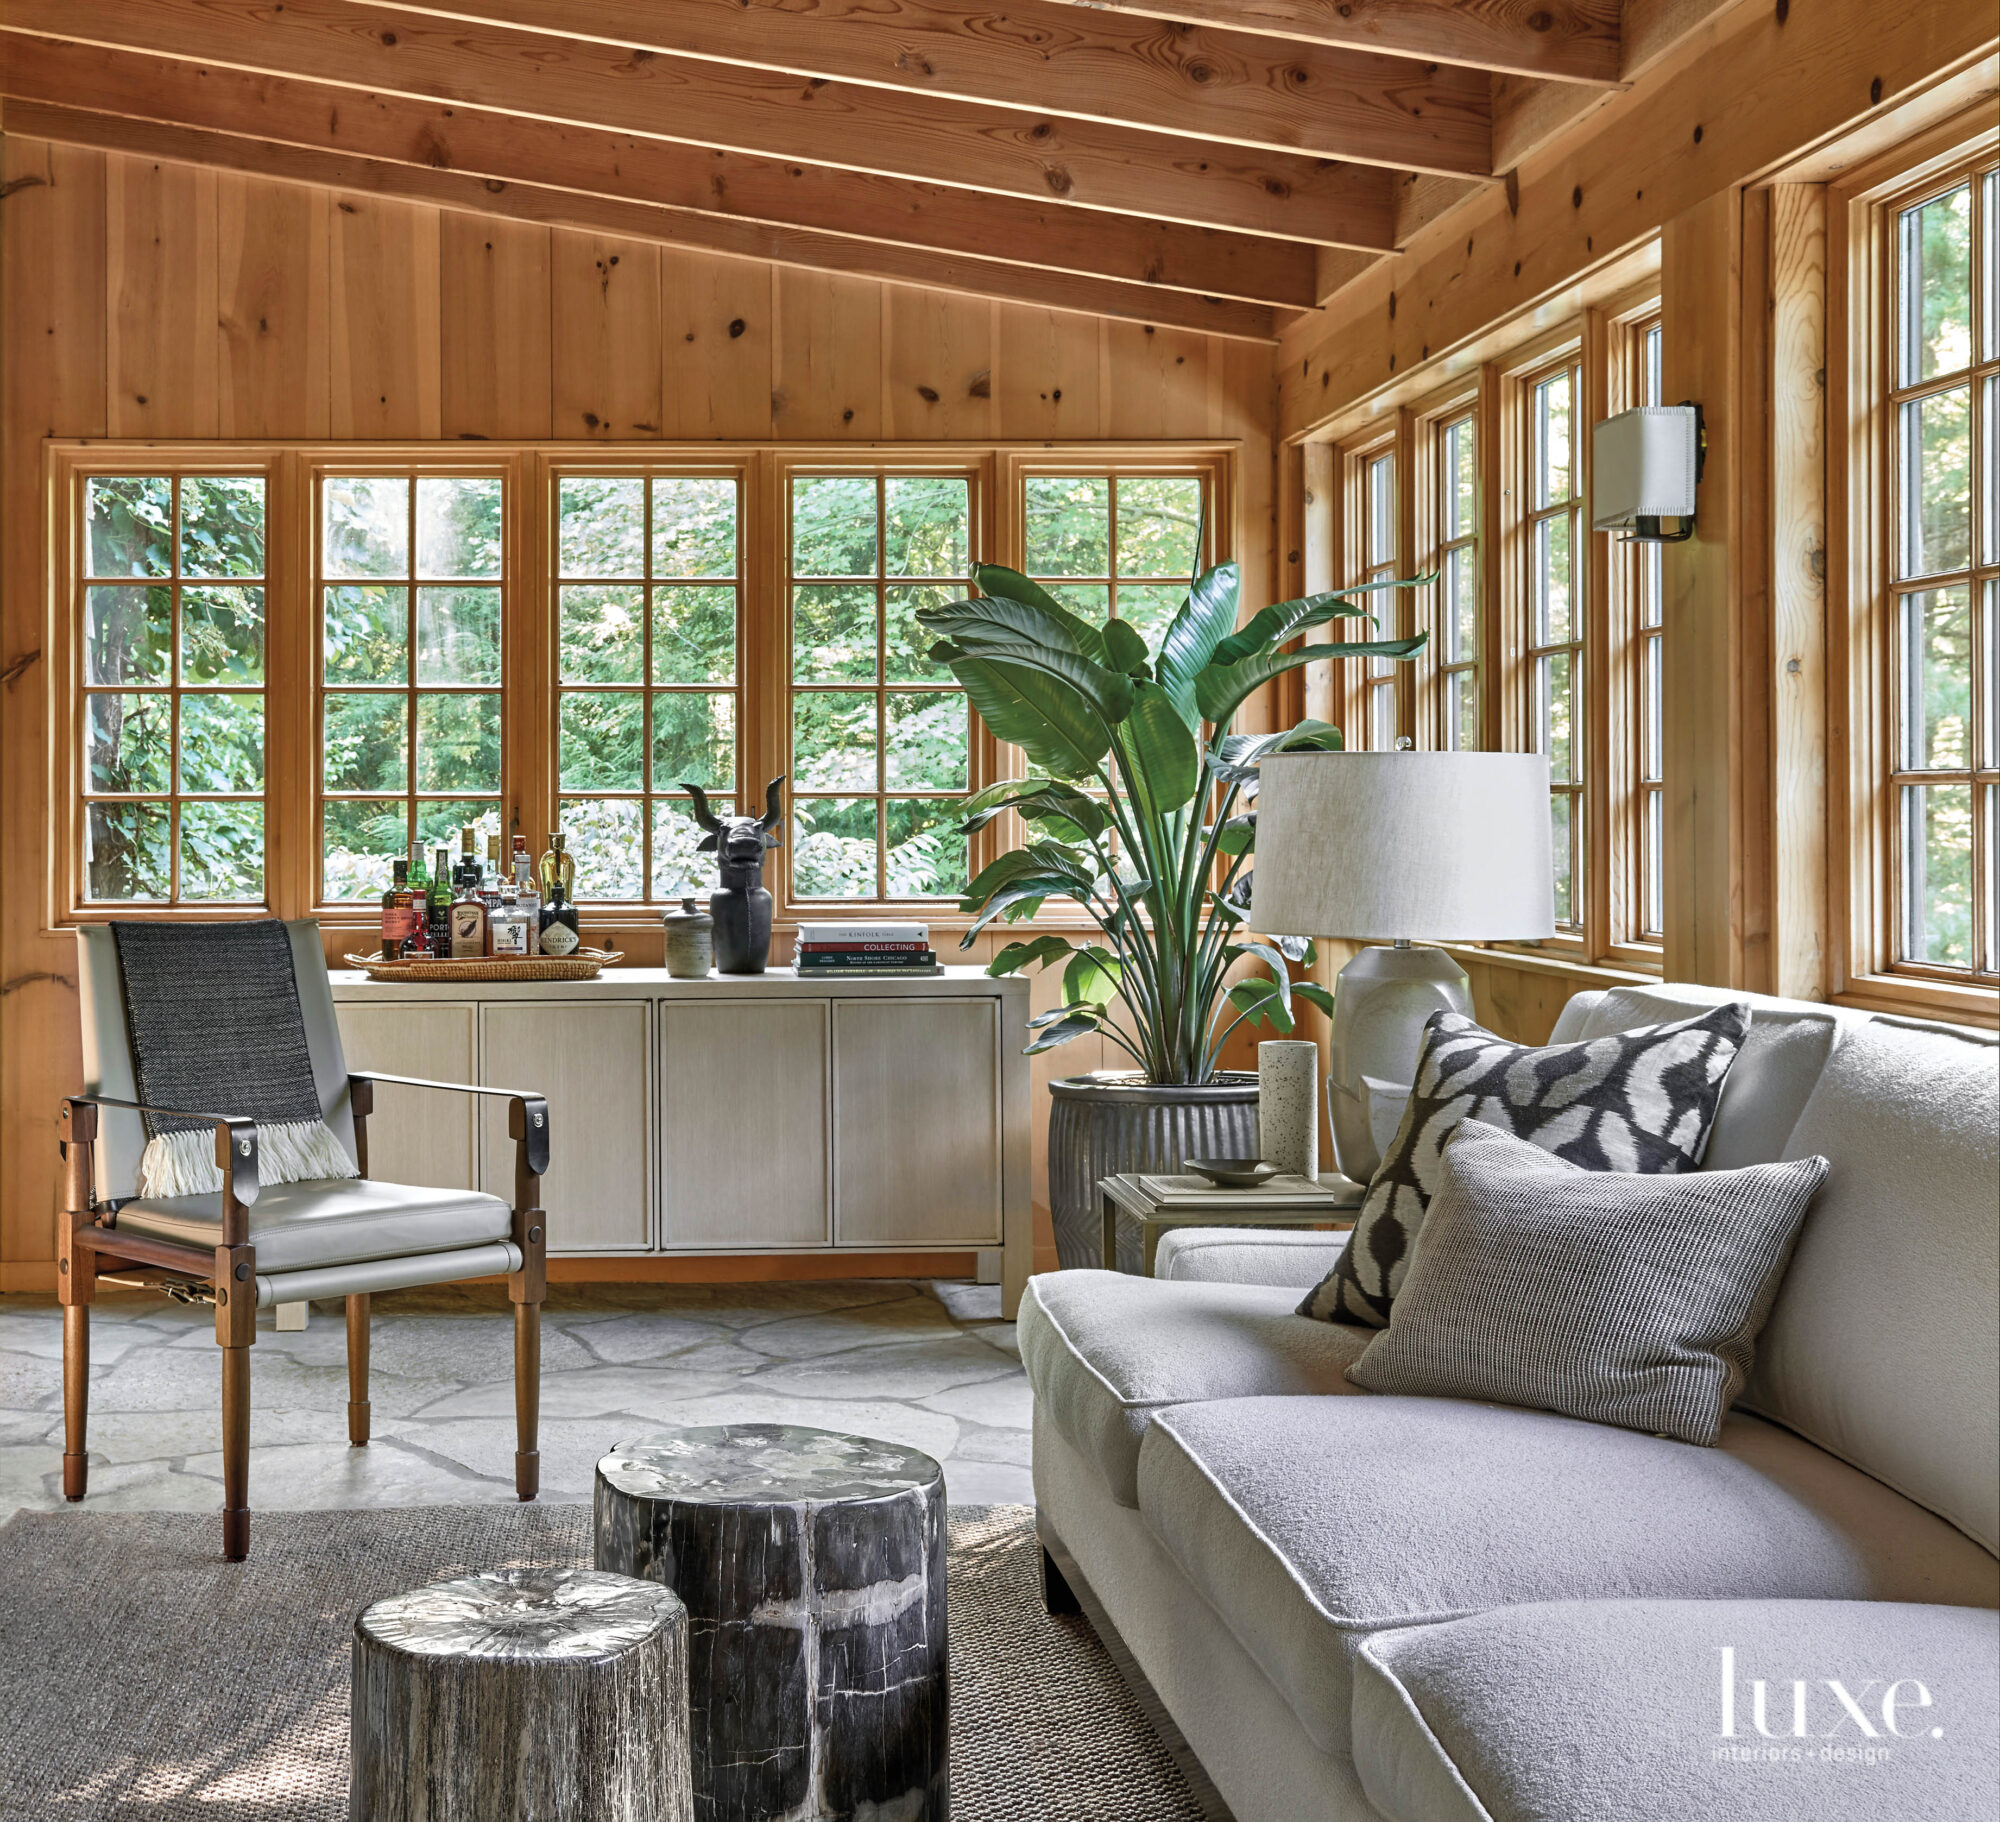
[(1310, 1523), (1614, 1708), (344, 1221)]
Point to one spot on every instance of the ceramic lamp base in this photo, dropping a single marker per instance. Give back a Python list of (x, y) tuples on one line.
[(1381, 1002)]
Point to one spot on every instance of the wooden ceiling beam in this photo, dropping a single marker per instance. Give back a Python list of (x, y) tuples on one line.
[(1558, 40), (400, 131), (467, 194), (1226, 86), (756, 111)]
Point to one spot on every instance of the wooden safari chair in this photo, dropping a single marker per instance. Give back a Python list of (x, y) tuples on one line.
[(221, 990)]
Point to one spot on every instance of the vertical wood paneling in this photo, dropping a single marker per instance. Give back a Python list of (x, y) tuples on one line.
[(494, 350), (383, 318), (271, 305), (1045, 378), (52, 383), (826, 378), (1798, 586), (161, 345), (605, 311), (715, 322), (938, 364), (1161, 380)]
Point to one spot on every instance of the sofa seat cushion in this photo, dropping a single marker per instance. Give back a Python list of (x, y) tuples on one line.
[(1588, 1709), (1248, 1255), (1309, 1523), (1104, 1351), (302, 1226)]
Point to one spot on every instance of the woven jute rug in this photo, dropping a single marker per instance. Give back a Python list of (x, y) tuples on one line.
[(141, 1677)]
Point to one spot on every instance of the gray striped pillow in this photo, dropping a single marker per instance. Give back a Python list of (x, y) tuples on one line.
[(1624, 1299)]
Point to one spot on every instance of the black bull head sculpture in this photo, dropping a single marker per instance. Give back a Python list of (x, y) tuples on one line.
[(740, 905)]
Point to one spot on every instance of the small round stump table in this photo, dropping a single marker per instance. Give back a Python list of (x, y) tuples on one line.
[(813, 1568), (526, 1695)]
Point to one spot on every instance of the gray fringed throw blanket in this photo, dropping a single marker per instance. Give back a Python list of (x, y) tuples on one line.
[(213, 1013)]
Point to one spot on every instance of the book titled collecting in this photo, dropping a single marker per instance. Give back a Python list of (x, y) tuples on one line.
[(883, 950)]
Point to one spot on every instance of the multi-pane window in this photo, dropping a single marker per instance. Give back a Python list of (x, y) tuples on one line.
[(409, 581), (1378, 556), (1121, 546), (1552, 543), (648, 612), (1943, 556), (1647, 581), (172, 669), (880, 733), (1457, 562)]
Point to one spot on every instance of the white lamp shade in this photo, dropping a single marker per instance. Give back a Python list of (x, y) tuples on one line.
[(1381, 846)]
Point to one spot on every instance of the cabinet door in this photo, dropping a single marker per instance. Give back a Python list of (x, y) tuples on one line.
[(593, 1063), (743, 1124), (916, 1122), (417, 1135)]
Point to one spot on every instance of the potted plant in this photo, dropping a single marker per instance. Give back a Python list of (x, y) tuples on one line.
[(1138, 812)]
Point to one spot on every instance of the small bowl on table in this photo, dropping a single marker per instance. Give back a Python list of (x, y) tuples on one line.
[(1233, 1173)]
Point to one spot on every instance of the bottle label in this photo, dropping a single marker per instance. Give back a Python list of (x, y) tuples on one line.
[(559, 939), (468, 930), (399, 924)]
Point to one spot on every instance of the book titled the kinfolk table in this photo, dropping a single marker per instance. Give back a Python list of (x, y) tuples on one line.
[(885, 950)]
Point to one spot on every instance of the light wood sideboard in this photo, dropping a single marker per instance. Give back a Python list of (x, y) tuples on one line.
[(732, 1115)]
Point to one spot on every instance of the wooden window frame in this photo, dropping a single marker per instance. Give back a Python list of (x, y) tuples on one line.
[(1361, 697), (314, 471), (547, 637), (1865, 967), (529, 783), (1433, 717)]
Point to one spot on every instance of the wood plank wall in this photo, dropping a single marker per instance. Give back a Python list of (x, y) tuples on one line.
[(140, 299)]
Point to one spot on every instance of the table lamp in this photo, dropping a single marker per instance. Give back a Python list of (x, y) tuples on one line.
[(1390, 846)]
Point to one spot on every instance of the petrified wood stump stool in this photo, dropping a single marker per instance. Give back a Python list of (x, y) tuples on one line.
[(813, 1568), (533, 1695)]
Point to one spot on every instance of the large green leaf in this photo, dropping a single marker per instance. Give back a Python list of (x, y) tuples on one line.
[(1076, 1026), (1045, 950), (1032, 889), (1284, 620), (1045, 718), (1314, 995), (1091, 979), (1011, 585), (1060, 809), (1261, 1004), (1125, 649), (1108, 692), (1222, 688), (1236, 756), (1203, 622), (1161, 749)]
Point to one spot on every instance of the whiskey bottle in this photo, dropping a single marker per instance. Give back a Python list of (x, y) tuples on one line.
[(399, 916), (525, 893), (559, 932), (466, 876), (437, 918), (468, 911)]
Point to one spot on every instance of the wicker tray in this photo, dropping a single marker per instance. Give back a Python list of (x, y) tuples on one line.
[(581, 966)]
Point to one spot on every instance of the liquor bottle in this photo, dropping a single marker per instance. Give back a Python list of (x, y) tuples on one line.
[(437, 918), (492, 879), (419, 883), (508, 932), (466, 875), (526, 895), (559, 932), (399, 915), (468, 909)]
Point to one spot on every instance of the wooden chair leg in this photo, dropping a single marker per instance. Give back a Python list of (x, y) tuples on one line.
[(357, 1369), (76, 1399), (235, 1453), (527, 1399)]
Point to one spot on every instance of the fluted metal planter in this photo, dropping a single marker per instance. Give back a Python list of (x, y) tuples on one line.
[(1107, 1125)]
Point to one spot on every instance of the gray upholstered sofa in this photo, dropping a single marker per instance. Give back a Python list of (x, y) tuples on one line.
[(1429, 1609)]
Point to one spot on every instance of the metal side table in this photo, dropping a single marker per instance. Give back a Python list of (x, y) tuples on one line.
[(1156, 1203)]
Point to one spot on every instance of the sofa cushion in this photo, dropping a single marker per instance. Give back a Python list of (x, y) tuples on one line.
[(1617, 1708), (1633, 1101), (301, 1226), (1240, 1255), (1884, 1343), (1775, 1070), (1310, 1523), (1601, 1294), (1104, 1351)]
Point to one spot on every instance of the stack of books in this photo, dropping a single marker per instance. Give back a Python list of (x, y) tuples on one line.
[(883, 950)]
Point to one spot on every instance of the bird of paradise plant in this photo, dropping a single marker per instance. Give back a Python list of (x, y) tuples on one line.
[(1139, 804)]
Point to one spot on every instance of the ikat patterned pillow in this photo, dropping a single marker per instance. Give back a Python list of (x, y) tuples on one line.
[(1633, 1101)]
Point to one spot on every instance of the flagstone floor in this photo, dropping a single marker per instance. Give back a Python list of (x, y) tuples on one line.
[(930, 1365)]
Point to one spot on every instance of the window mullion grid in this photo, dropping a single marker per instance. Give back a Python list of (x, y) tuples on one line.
[(647, 782), (174, 696)]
